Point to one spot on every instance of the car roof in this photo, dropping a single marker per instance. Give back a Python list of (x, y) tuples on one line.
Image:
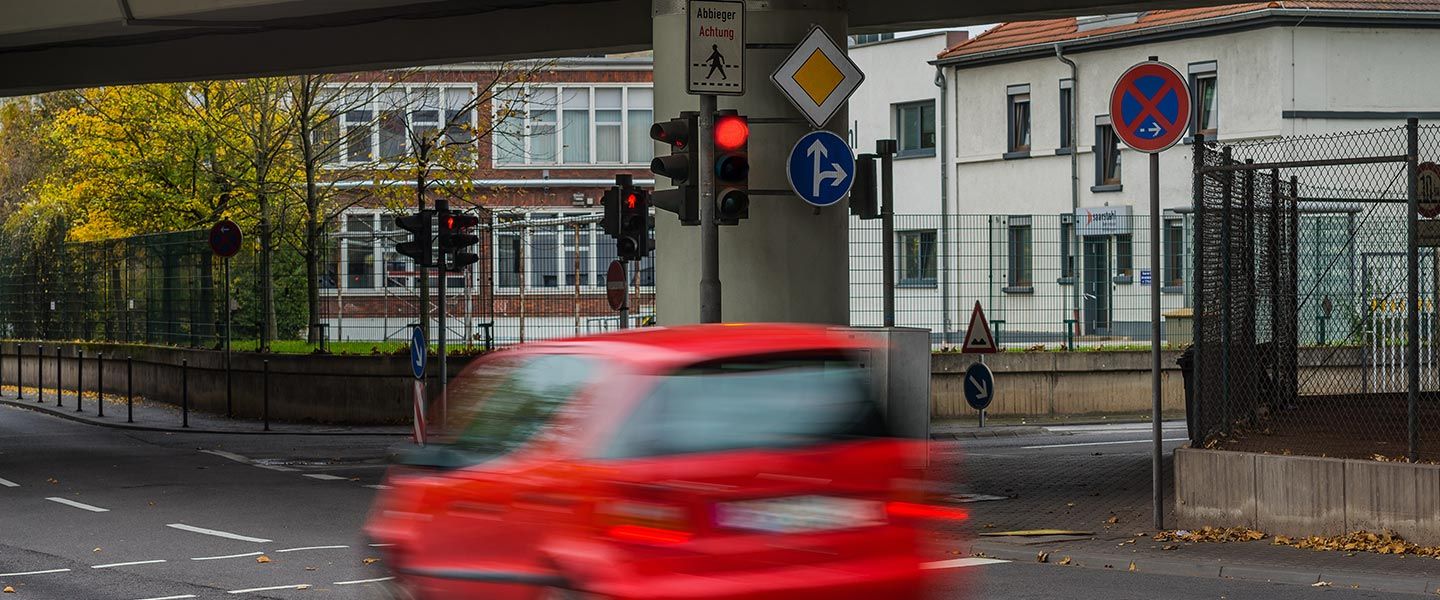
[(694, 343)]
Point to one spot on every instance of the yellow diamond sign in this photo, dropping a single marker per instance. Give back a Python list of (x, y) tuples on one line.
[(818, 77)]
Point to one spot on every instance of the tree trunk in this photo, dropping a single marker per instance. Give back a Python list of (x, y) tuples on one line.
[(267, 283), (312, 243)]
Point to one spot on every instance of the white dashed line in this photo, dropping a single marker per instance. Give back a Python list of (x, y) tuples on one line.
[(379, 486), (33, 572), (79, 505), (8, 483), (129, 564), (313, 548), (376, 580), (223, 534), (381, 545), (298, 586), (1100, 443), (227, 556), (962, 563), (323, 476), (181, 597)]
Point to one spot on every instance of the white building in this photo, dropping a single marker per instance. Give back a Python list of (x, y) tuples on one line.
[(1256, 70)]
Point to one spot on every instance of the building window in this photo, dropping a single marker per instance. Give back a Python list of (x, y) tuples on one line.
[(870, 38), (1107, 157), (365, 258), (1067, 107), (1019, 118), (360, 251), (384, 121), (1020, 255), (1206, 112), (1067, 257), (552, 252), (1124, 256), (916, 254), (1174, 253), (574, 125), (915, 127)]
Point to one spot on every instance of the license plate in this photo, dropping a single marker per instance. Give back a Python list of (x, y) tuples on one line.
[(800, 514)]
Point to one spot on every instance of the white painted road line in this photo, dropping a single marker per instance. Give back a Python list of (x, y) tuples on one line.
[(181, 597), (323, 476), (1100, 443), (277, 468), (79, 505), (379, 486), (298, 586), (227, 556), (313, 548), (230, 455), (381, 545), (8, 483), (1115, 428), (129, 564), (33, 572), (223, 534), (376, 580), (962, 563)]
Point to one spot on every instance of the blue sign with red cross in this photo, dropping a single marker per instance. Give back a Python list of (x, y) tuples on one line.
[(1150, 107)]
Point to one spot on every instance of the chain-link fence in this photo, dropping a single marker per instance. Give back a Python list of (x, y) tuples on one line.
[(1306, 289)]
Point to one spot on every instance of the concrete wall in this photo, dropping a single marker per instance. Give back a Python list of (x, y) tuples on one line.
[(1300, 495), (320, 388)]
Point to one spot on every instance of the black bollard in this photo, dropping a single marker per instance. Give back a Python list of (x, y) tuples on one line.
[(59, 379), (79, 379), (20, 371), (129, 389), (40, 374), (100, 383), (265, 383), (184, 393)]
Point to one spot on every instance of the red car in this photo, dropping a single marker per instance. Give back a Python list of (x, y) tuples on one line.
[(715, 461)]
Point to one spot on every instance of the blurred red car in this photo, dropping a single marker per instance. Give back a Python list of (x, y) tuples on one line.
[(717, 461)]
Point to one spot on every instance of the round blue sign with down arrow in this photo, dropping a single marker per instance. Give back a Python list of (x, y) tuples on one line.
[(979, 386), (821, 168), (418, 351)]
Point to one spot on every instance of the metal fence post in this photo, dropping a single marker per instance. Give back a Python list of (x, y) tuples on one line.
[(129, 389), (1412, 291), (20, 371), (100, 383), (265, 394), (79, 380), (40, 373), (184, 392)]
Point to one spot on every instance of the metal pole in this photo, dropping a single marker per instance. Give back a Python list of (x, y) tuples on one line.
[(129, 389), (59, 395), (184, 392), (887, 149), (625, 307), (100, 383), (265, 393), (442, 210), (1412, 292), (1157, 450), (79, 379), (20, 371), (709, 227), (229, 398), (40, 374)]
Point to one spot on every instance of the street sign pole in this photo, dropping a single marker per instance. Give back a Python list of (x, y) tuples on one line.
[(709, 227), (887, 149), (1156, 451), (442, 210)]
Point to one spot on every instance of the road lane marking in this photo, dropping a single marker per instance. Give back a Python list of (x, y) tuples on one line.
[(376, 580), (230, 455), (128, 564), (1117, 428), (381, 545), (33, 572), (8, 483), (180, 597), (1100, 443), (323, 476), (313, 548), (298, 586), (227, 556), (79, 505), (276, 468), (959, 563), (379, 486), (223, 534)]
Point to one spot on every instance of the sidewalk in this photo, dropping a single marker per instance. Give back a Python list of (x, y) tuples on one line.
[(1022, 426), (155, 416)]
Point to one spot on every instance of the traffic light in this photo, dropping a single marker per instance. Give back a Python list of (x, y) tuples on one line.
[(732, 167), (456, 237), (682, 166), (864, 199), (633, 243), (419, 246)]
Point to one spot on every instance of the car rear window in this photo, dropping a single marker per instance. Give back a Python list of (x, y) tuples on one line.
[(505, 403), (763, 402)]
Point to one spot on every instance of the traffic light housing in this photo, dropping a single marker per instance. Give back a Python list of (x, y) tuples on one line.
[(864, 194), (731, 138), (634, 240), (420, 244), (456, 238), (682, 166)]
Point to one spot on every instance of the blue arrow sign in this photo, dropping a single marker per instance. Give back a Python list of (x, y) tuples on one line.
[(418, 351), (979, 386), (821, 168)]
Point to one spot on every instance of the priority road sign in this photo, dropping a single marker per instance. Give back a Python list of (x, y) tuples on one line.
[(979, 386), (978, 339), (821, 168), (225, 238), (418, 351), (615, 290), (1150, 107), (715, 48), (818, 77)]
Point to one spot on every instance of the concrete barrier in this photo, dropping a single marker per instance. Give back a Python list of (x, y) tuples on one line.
[(1304, 495)]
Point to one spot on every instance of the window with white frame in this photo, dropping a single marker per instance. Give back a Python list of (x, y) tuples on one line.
[(916, 255), (1205, 117), (574, 125), (366, 260), (384, 121), (550, 251)]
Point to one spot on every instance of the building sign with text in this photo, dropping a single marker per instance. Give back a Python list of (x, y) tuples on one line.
[(1103, 220)]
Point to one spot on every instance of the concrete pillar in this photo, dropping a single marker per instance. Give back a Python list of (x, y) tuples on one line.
[(788, 261)]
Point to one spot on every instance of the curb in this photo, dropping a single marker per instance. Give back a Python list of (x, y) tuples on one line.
[(1004, 431), (134, 427), (1381, 582)]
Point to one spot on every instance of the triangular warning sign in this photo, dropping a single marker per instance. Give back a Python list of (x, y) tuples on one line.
[(977, 338)]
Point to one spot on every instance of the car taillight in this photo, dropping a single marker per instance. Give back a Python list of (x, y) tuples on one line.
[(912, 510), (645, 522)]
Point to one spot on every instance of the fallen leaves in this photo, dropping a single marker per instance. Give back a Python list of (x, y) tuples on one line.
[(1132, 568), (1385, 542), (9, 590), (1321, 584), (1042, 557), (1112, 520), (52, 481), (1065, 561), (262, 559), (370, 561), (1211, 534)]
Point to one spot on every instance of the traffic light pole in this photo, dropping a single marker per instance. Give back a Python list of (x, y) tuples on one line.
[(887, 149), (442, 211), (709, 227)]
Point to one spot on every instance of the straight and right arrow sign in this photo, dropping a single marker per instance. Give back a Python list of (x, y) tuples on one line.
[(978, 339)]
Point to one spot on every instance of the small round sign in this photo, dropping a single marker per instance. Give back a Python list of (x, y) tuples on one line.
[(1150, 107), (1427, 190), (615, 290), (979, 386), (225, 239), (419, 352), (821, 168)]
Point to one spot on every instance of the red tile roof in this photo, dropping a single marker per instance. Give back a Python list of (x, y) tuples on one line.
[(1025, 33)]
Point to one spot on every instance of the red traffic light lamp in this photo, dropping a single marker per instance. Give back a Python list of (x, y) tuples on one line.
[(732, 132)]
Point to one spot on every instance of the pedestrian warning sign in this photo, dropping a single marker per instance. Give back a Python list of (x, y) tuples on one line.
[(978, 339), (715, 48)]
